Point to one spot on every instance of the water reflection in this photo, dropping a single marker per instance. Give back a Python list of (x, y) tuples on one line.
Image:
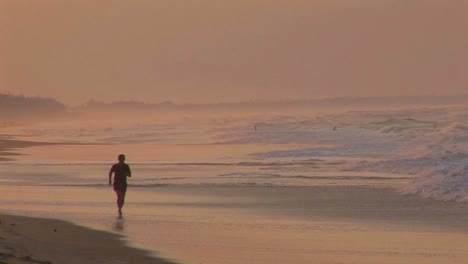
[(119, 224)]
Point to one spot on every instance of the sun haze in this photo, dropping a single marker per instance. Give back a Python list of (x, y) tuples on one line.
[(214, 51)]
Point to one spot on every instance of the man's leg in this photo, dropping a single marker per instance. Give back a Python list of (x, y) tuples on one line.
[(120, 199)]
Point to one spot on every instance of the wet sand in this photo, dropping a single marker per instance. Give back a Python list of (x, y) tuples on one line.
[(316, 224), (8, 146), (36, 240), (319, 224), (243, 224)]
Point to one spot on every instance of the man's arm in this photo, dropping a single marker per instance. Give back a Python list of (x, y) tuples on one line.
[(110, 175), (129, 172)]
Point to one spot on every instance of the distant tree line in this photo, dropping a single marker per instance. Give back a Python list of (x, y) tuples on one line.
[(18, 105), (127, 104)]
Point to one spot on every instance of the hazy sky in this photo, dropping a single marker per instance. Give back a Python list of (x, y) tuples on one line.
[(231, 50)]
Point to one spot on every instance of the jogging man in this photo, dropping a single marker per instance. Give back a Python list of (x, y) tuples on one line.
[(121, 171)]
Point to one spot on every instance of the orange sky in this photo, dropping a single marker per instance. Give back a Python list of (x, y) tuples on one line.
[(214, 50)]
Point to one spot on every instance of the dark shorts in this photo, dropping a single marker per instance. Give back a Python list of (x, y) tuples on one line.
[(120, 186)]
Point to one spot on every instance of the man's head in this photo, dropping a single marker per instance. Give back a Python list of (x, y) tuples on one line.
[(121, 157)]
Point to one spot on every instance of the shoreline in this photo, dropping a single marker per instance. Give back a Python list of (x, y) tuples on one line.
[(28, 239), (39, 240)]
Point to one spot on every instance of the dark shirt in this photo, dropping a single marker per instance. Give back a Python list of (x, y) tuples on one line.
[(121, 171)]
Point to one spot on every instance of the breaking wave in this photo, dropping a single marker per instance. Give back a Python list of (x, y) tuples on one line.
[(429, 146)]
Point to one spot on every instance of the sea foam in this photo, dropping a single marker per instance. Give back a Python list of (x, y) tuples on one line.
[(431, 145)]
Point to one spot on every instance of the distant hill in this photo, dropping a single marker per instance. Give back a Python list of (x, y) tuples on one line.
[(19, 106)]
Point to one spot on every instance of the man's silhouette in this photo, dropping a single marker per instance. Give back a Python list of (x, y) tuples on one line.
[(121, 171)]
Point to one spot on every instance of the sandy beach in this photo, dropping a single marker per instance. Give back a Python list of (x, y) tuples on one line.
[(36, 240)]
